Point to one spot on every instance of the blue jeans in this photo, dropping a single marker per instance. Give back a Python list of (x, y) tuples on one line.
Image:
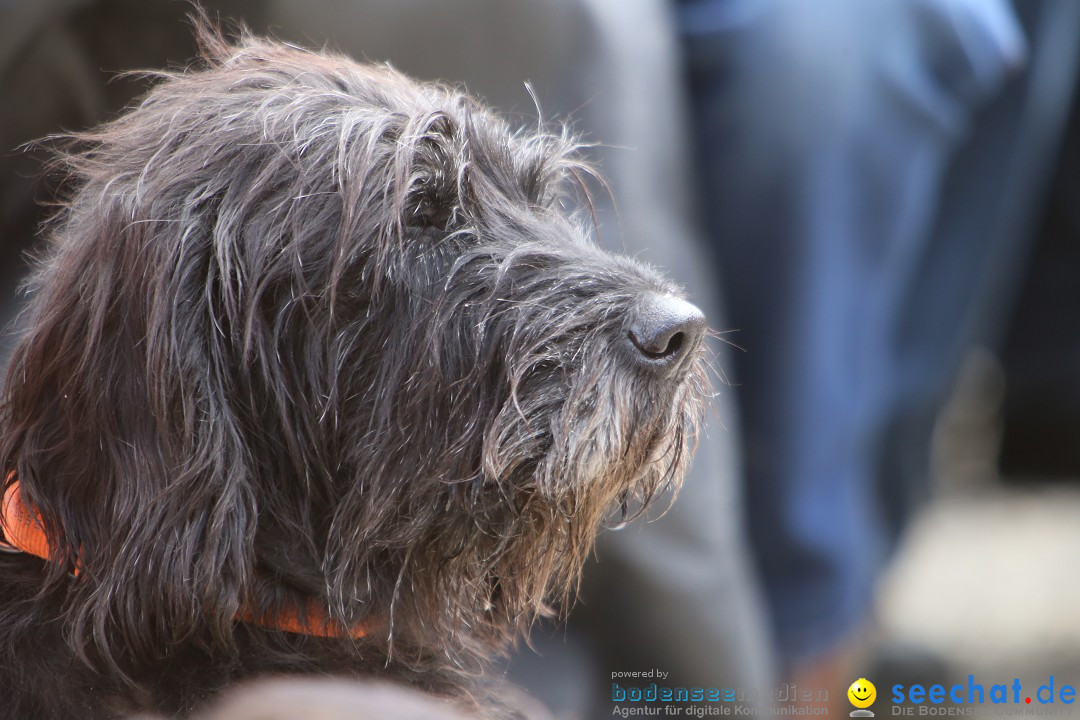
[(856, 268)]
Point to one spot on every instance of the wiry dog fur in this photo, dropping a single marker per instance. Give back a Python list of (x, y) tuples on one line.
[(307, 330)]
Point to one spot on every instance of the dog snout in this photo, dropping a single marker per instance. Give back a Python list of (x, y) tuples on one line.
[(663, 331)]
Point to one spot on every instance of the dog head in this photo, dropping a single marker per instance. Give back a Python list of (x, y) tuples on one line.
[(310, 333)]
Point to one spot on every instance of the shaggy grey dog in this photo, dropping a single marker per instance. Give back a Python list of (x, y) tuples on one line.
[(321, 373)]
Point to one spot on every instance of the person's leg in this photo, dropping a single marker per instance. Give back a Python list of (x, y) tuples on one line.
[(964, 287), (825, 130)]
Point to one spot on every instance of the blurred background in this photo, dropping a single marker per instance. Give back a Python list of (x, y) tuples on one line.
[(877, 203)]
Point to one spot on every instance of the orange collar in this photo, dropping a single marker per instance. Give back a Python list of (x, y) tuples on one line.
[(21, 530), (21, 527)]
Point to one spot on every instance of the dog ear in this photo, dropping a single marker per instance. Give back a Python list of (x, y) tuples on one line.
[(429, 172), (120, 435), (453, 170), (448, 168)]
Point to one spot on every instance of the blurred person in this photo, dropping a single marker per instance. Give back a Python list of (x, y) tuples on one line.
[(870, 175)]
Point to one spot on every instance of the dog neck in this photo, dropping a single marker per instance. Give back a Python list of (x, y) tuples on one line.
[(22, 530)]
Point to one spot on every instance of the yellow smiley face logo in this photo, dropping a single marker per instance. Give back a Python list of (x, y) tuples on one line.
[(862, 693)]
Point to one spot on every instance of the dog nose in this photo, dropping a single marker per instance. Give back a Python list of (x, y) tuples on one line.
[(664, 331)]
